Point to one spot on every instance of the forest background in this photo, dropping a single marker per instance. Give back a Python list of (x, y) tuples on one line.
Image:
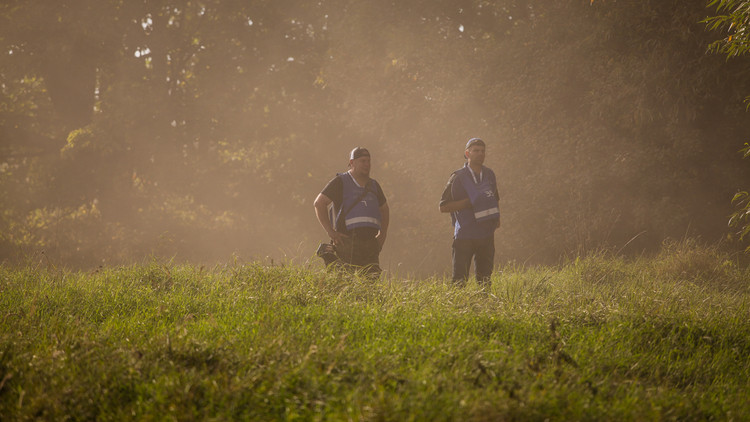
[(203, 130)]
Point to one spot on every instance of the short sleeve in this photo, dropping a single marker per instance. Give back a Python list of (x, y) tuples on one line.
[(448, 191), (379, 193), (334, 190)]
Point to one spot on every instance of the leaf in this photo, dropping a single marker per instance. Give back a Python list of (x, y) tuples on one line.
[(738, 196)]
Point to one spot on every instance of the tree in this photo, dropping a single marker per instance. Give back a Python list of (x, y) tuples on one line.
[(215, 123), (736, 23)]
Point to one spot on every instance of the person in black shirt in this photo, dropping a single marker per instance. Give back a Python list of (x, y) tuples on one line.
[(358, 223)]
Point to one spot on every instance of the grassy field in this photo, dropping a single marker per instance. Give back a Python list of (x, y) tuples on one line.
[(597, 338)]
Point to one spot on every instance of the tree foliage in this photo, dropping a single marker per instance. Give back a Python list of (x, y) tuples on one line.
[(199, 129), (740, 219), (736, 24)]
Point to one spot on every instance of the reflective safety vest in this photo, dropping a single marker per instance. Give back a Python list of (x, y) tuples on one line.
[(481, 195), (366, 212), (475, 221)]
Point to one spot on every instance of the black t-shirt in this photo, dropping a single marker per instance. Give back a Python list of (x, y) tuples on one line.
[(334, 190)]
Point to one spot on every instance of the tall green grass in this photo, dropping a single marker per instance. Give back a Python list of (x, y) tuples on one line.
[(597, 338)]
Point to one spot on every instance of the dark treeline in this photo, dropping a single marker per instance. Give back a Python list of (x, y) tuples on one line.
[(203, 129)]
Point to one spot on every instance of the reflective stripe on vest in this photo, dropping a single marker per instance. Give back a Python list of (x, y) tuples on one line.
[(359, 220), (479, 215)]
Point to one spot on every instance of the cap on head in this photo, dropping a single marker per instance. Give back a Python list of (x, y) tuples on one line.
[(472, 142), (359, 152)]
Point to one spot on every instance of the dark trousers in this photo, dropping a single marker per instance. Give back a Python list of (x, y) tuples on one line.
[(483, 253), (359, 254)]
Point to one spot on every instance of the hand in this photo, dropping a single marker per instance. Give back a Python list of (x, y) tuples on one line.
[(337, 237), (380, 237)]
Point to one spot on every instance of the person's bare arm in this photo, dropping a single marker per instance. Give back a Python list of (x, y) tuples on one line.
[(321, 211)]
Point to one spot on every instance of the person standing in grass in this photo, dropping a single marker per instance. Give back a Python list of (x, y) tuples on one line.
[(358, 219), (471, 197)]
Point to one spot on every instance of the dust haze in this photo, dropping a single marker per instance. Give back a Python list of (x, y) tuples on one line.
[(203, 133)]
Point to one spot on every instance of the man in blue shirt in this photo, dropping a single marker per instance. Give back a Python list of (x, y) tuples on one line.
[(471, 197)]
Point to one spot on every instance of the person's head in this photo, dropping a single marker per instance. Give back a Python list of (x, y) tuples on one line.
[(359, 161), (474, 152)]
